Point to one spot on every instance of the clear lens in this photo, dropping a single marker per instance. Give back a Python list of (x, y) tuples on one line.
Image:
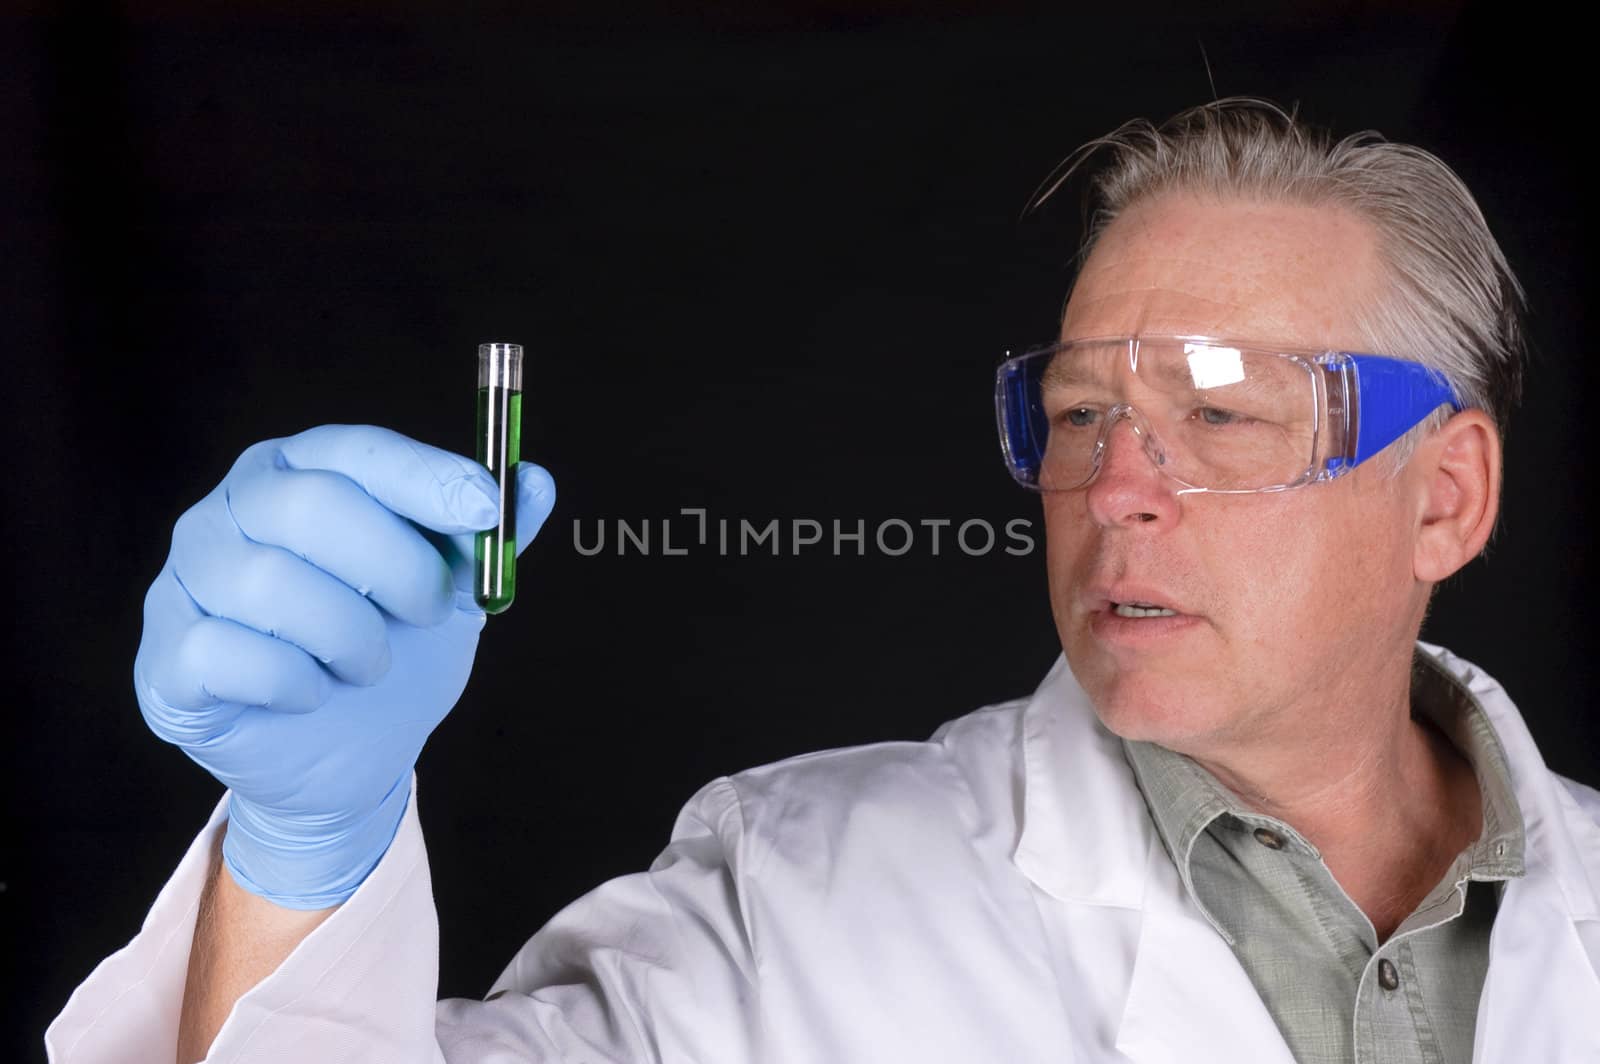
[(1213, 417)]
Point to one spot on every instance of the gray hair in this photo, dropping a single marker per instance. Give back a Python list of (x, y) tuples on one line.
[(1452, 304)]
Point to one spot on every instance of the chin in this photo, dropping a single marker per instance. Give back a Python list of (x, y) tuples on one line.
[(1146, 706)]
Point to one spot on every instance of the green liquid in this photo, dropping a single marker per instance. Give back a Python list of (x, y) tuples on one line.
[(499, 448)]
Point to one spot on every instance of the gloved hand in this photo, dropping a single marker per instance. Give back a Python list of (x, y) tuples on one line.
[(313, 623)]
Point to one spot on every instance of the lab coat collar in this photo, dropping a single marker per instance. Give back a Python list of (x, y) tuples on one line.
[(1560, 838)]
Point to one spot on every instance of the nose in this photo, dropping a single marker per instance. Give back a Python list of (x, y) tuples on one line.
[(1129, 488)]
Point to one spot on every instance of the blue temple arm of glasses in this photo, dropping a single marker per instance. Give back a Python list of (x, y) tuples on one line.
[(1021, 440), (1392, 396)]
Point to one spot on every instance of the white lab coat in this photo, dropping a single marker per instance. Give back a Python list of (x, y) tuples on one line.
[(997, 893)]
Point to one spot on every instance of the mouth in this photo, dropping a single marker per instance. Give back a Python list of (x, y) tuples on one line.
[(1141, 609), (1131, 617), (1139, 620)]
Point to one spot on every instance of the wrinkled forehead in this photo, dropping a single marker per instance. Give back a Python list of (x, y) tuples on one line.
[(1273, 273)]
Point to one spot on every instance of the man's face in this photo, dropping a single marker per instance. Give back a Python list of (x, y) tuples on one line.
[(1288, 602)]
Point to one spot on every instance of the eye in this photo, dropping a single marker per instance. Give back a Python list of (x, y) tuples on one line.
[(1078, 417), (1212, 415)]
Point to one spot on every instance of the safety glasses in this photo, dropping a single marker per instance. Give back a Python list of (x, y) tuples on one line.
[(1213, 415)]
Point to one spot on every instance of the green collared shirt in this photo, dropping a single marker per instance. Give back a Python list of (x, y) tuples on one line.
[(1312, 954)]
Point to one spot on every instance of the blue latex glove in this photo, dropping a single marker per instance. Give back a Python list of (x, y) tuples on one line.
[(312, 625)]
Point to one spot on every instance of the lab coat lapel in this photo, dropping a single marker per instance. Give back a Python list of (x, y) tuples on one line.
[(1087, 840), (1190, 1000), (1541, 999)]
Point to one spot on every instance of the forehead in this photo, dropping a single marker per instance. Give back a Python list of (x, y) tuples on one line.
[(1273, 273)]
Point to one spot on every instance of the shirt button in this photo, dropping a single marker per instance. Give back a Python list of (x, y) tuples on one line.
[(1388, 978), (1268, 838)]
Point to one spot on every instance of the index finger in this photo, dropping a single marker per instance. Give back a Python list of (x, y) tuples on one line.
[(436, 488)]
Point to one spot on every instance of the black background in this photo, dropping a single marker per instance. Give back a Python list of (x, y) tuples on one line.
[(764, 258)]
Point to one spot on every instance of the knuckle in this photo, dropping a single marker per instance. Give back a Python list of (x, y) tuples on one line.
[(194, 650), (315, 433), (259, 456), (203, 526), (191, 526), (261, 448), (167, 681)]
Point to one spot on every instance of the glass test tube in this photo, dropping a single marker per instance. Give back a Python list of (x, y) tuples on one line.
[(499, 449)]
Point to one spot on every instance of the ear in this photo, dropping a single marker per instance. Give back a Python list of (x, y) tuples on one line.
[(1457, 474)]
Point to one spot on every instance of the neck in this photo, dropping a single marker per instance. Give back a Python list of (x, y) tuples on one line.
[(1386, 799)]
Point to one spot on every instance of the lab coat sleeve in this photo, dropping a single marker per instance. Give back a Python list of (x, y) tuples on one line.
[(654, 966), (657, 966)]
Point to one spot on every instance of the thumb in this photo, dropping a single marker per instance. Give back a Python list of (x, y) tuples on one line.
[(536, 497)]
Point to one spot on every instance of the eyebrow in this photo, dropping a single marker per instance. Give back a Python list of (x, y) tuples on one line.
[(1171, 373), (1061, 372), (1064, 370)]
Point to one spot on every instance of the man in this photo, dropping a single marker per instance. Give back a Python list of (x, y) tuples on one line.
[(1245, 818)]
